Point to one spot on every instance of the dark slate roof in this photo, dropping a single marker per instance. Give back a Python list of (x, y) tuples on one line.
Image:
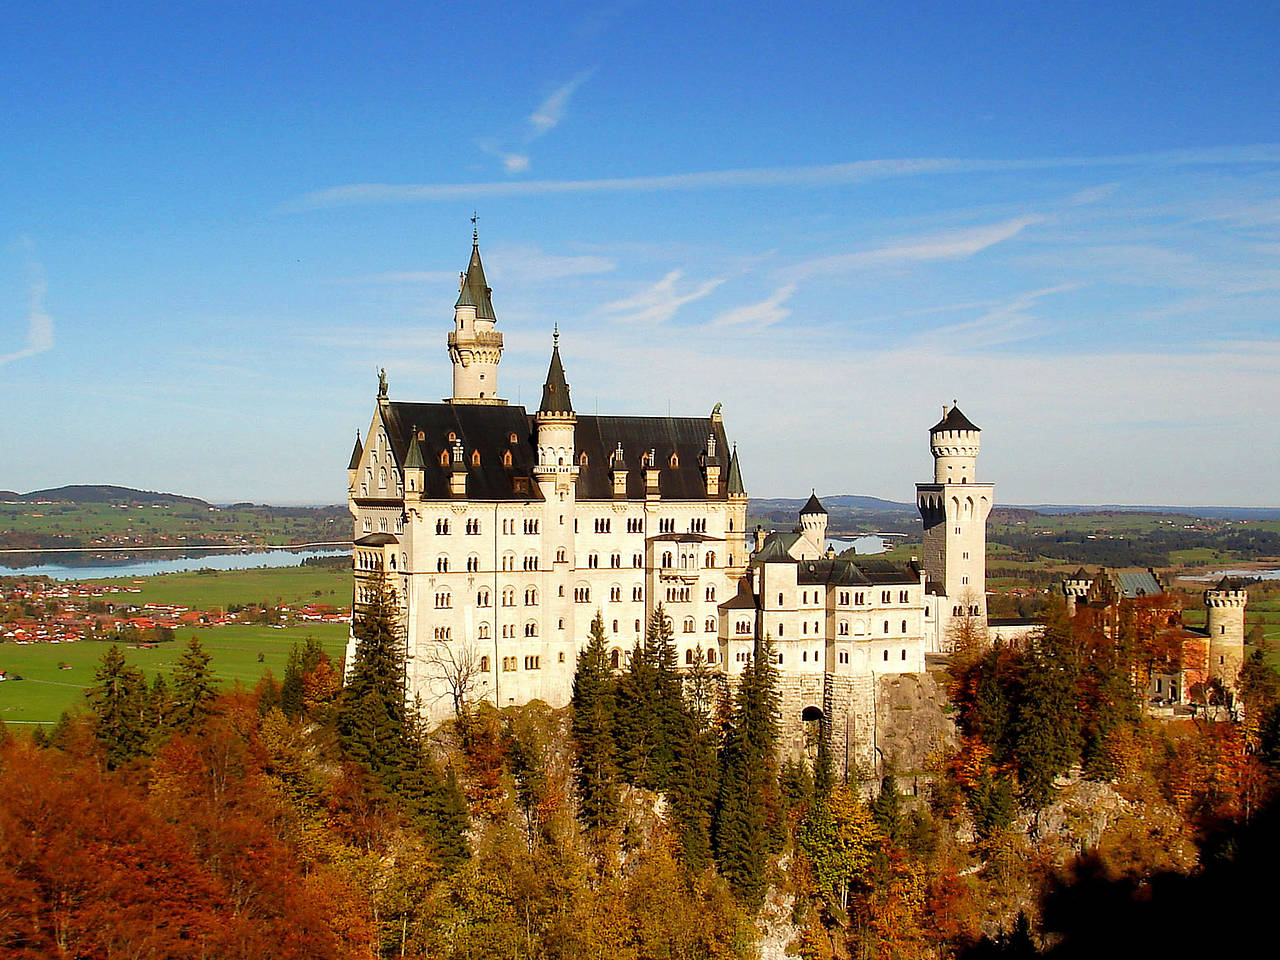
[(735, 487), (488, 428), (1081, 574), (686, 437), (484, 427), (356, 454), (376, 540), (776, 549), (555, 392), (954, 420), (864, 572), (813, 506), (475, 290)]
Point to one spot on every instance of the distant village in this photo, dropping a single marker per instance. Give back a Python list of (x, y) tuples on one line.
[(40, 610)]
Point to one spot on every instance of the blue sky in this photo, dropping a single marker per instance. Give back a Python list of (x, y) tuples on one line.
[(217, 220)]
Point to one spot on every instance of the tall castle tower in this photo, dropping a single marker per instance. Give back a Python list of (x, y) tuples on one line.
[(1224, 622), (475, 347), (954, 509), (556, 469)]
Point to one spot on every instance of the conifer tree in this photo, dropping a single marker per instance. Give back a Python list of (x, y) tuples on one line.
[(695, 780), (193, 688), (1046, 721), (118, 700), (595, 766), (291, 686), (159, 705), (747, 818), (372, 716), (824, 777)]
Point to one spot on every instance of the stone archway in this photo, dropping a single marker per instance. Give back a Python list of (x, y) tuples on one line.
[(811, 718)]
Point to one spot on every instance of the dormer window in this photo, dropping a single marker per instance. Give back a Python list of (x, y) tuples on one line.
[(444, 458), (513, 438), (452, 436), (475, 458), (422, 434), (582, 460), (675, 462), (506, 458)]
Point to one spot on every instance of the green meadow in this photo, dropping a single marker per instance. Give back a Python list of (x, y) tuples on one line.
[(47, 689)]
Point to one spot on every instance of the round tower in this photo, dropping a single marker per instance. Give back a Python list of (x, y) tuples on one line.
[(475, 347), (1224, 622), (1075, 588), (954, 442), (813, 522)]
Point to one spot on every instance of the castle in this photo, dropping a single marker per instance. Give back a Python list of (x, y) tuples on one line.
[(505, 532), (1197, 655)]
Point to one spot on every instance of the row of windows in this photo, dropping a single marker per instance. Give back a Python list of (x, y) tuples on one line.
[(512, 663), (383, 525), (844, 656), (959, 611), (845, 596), (842, 628)]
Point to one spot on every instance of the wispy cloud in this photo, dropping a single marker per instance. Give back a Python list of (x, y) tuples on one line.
[(658, 303), (950, 245), (765, 313), (827, 175), (39, 324), (1007, 322), (550, 111)]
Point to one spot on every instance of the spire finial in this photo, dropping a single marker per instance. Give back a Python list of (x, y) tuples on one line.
[(475, 229), (555, 334)]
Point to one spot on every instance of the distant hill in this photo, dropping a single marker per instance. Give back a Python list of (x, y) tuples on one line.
[(843, 501), (80, 493)]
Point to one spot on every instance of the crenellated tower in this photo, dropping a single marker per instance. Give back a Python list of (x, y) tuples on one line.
[(556, 469), (475, 347), (1224, 622), (954, 510)]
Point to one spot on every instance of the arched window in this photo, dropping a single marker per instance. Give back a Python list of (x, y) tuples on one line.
[(531, 597), (688, 657), (613, 658), (688, 625), (482, 597), (711, 655), (675, 461), (710, 625), (484, 664), (506, 458), (666, 559), (442, 564), (710, 559), (444, 458), (508, 596), (482, 633), (475, 458)]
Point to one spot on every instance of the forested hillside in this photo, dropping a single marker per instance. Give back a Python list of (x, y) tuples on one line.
[(652, 818)]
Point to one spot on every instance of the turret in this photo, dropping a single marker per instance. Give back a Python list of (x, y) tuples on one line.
[(414, 469), (1075, 588), (813, 522), (475, 347), (555, 423), (1224, 622), (954, 441)]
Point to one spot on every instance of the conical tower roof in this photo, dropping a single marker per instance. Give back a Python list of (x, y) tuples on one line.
[(356, 454), (475, 290), (813, 506), (954, 420), (555, 392), (735, 487)]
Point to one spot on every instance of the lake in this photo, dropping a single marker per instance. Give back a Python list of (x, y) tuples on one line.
[(89, 567)]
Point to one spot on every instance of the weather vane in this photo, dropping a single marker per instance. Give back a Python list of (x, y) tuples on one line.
[(475, 230)]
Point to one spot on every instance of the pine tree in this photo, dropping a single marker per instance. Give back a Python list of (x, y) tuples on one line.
[(695, 777), (194, 689), (118, 700), (1046, 721), (747, 818), (159, 706), (291, 686), (824, 777), (595, 768), (372, 716)]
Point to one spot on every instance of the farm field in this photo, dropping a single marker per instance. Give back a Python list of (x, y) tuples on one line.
[(273, 586), (46, 691)]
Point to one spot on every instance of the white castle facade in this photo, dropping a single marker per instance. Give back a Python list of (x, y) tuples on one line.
[(505, 532)]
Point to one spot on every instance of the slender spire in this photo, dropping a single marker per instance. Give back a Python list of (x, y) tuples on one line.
[(475, 290), (735, 487), (356, 454), (555, 392), (413, 459)]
